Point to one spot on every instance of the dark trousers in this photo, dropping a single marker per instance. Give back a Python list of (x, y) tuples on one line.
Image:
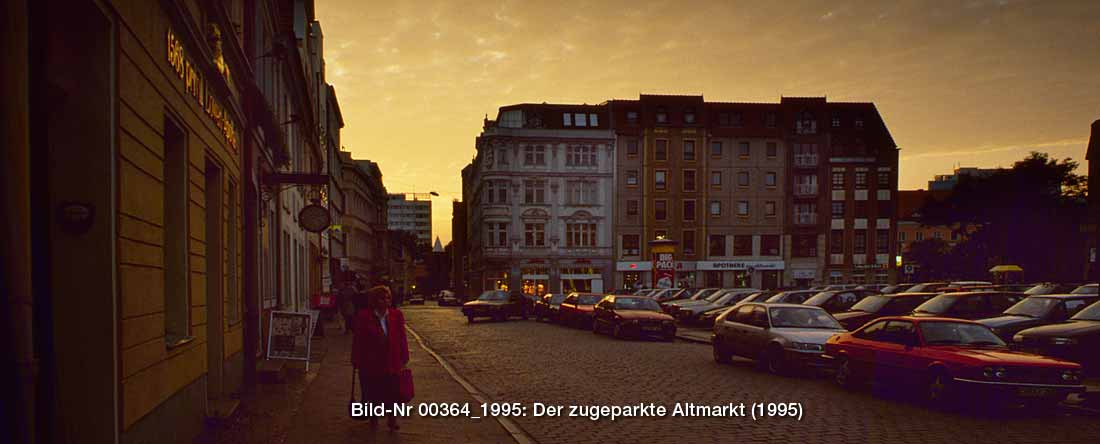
[(379, 388)]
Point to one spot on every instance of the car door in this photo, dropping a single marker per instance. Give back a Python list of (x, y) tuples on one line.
[(999, 302), (860, 348), (892, 352), (733, 328), (602, 312), (567, 308), (756, 332)]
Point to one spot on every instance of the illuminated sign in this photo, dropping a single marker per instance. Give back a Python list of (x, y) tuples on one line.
[(195, 86)]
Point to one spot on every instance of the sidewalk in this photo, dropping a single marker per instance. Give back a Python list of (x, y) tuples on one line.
[(323, 418), (693, 334)]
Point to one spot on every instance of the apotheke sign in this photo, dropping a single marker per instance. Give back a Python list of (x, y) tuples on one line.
[(739, 265)]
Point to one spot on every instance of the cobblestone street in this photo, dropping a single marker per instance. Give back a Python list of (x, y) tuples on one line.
[(527, 362)]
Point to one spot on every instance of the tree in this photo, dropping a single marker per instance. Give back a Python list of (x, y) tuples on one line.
[(930, 257), (1026, 215)]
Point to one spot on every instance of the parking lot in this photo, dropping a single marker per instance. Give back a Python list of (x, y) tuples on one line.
[(527, 362)]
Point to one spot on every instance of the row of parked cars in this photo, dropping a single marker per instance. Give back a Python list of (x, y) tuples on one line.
[(949, 339)]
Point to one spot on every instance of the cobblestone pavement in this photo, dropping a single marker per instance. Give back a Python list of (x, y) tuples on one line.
[(528, 362)]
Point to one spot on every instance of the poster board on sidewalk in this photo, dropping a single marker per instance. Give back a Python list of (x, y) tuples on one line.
[(289, 335)]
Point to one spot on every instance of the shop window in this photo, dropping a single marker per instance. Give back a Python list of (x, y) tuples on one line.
[(742, 245), (177, 325), (631, 245), (687, 241)]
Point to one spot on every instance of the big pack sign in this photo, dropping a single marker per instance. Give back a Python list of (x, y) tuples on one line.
[(664, 270)]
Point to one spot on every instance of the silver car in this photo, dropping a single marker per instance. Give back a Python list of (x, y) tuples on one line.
[(779, 336)]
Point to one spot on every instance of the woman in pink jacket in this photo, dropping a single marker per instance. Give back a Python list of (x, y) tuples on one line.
[(380, 350)]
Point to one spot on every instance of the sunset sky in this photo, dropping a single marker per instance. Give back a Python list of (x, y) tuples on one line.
[(968, 82)]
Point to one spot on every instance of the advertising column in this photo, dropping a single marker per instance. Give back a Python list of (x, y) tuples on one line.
[(664, 262)]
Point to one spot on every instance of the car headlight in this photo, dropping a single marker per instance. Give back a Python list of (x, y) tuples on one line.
[(1018, 338), (994, 372), (1071, 375), (806, 346), (1063, 341)]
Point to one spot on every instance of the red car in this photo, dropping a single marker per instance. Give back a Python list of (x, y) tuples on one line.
[(636, 316), (577, 309), (949, 360)]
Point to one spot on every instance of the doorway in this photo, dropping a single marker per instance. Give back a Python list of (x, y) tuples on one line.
[(214, 298)]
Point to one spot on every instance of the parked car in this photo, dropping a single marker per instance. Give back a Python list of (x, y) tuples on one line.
[(684, 297), (1087, 289), (674, 294), (927, 286), (576, 309), (634, 316), (968, 304), (1076, 340), (495, 304), (699, 298), (949, 360), (416, 299), (792, 297), (881, 305), (547, 307), (838, 300), (877, 288), (707, 318), (447, 298), (643, 291), (1049, 288), (779, 336), (690, 314), (1035, 311), (839, 287), (896, 288)]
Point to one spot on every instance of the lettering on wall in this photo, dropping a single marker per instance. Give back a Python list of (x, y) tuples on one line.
[(196, 87)]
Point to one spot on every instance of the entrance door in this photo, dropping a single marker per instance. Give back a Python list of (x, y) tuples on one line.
[(214, 298)]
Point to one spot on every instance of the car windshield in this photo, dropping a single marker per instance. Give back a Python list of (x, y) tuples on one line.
[(958, 333), (636, 304), (703, 293), (493, 296), (930, 286), (715, 296), (557, 298), (1090, 313), (818, 299), (731, 297), (1033, 307), (871, 304), (938, 304), (1087, 289), (1039, 289), (792, 317), (589, 299), (779, 297)]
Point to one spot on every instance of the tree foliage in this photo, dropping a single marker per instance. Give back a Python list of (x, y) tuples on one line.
[(1028, 215)]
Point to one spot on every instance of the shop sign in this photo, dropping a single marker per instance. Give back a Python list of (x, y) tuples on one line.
[(633, 266), (196, 87), (870, 267), (739, 265), (802, 274)]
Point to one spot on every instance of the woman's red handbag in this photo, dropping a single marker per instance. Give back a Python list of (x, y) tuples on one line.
[(405, 385)]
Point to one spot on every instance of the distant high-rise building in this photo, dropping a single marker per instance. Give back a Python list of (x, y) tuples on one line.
[(947, 182), (412, 212)]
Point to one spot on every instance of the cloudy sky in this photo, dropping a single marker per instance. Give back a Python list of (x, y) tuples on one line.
[(967, 82)]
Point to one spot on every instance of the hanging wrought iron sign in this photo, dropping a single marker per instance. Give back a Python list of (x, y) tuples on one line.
[(314, 218)]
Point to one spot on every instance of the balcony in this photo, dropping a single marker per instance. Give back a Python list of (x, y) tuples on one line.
[(805, 189), (805, 218), (805, 160)]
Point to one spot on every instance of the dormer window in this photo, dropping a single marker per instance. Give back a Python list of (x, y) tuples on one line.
[(770, 120), (836, 120), (724, 119), (580, 119), (632, 117), (567, 119), (662, 115), (858, 122), (805, 124), (689, 116)]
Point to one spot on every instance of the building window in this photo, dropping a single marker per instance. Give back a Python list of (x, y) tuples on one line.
[(660, 179), (632, 207), (858, 122), (632, 147), (687, 240), (534, 235), (861, 209), (954, 235), (716, 245), (859, 246), (716, 179), (836, 242), (937, 235), (806, 124), (724, 119), (567, 119), (580, 193), (742, 245), (593, 120), (838, 209), (632, 117), (771, 150), (883, 179), (580, 235), (177, 310), (660, 209), (502, 156), (661, 150), (901, 236), (689, 116), (804, 245), (581, 156), (769, 208), (716, 149), (580, 119), (632, 178), (743, 179), (770, 120), (836, 120), (689, 210), (769, 179), (882, 241), (497, 191), (742, 208), (534, 192), (743, 150), (715, 208), (769, 245), (689, 180), (662, 116), (631, 245), (498, 234), (838, 180), (534, 155), (920, 236), (736, 119), (861, 179), (689, 150)]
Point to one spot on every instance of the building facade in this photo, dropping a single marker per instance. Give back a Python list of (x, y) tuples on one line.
[(538, 198), (364, 223), (457, 250), (412, 212)]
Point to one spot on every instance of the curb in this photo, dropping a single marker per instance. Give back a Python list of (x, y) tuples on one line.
[(691, 338), (510, 426)]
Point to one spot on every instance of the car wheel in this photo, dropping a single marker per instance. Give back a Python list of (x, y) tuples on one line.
[(720, 356), (938, 390), (773, 362), (844, 377), (595, 327)]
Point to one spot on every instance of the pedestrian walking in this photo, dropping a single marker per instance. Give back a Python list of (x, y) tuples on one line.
[(346, 305), (380, 352)]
